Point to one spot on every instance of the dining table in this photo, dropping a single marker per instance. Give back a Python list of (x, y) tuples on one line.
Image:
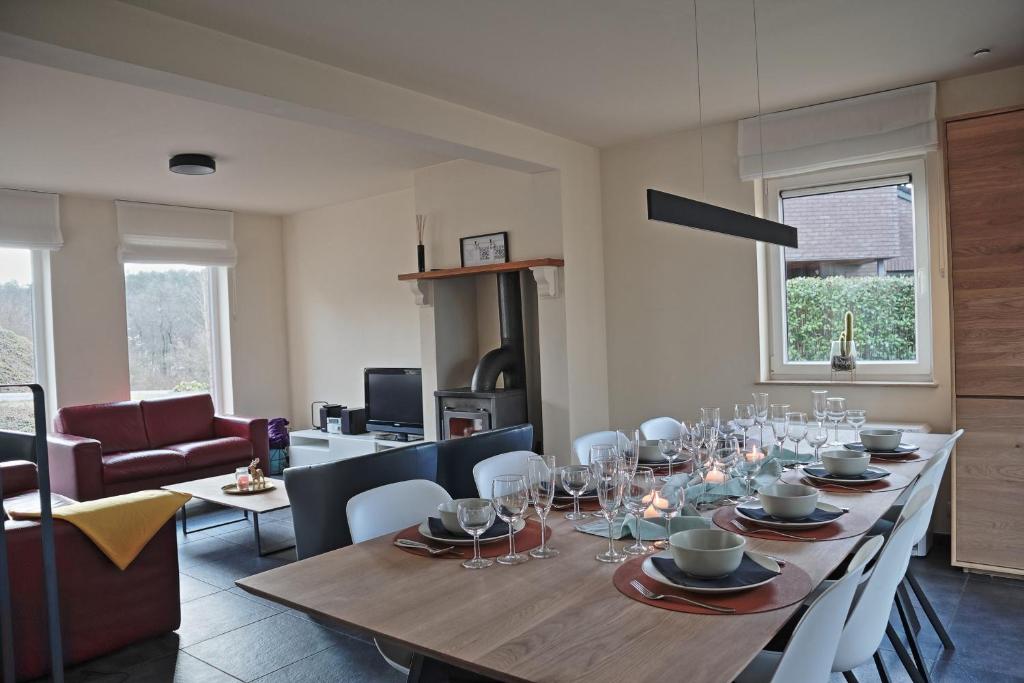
[(558, 619)]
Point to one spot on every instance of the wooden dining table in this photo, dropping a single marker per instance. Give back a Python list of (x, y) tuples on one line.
[(559, 619)]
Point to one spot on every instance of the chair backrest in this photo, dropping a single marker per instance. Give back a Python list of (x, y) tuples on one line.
[(457, 457), (865, 628), (581, 446), (931, 475), (660, 428), (319, 493), (392, 507), (812, 647), (484, 472)]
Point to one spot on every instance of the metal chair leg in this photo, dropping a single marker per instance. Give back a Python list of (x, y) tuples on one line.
[(929, 611), (883, 675), (902, 653), (915, 623), (850, 677), (915, 648)]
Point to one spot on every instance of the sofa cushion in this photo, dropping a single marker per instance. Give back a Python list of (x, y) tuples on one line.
[(178, 419), (117, 426), (230, 450), (134, 465)]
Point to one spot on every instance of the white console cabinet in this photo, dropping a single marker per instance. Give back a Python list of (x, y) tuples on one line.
[(311, 446)]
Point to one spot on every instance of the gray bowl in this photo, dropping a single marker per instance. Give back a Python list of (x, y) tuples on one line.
[(707, 553), (845, 463), (881, 439), (789, 501), (449, 514)]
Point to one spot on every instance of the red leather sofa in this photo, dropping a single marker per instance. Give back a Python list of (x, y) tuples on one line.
[(113, 448), (102, 608)]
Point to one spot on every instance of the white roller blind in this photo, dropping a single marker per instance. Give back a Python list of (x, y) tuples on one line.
[(874, 127), (155, 233), (30, 220)]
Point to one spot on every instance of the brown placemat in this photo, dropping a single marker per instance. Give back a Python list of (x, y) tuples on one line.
[(527, 539), (894, 482), (909, 457), (590, 505), (791, 587), (842, 527)]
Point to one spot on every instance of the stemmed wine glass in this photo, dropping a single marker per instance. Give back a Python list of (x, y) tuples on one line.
[(856, 419), (670, 449), (476, 515), (778, 421), (817, 435), (630, 451), (743, 413), (796, 430), (542, 495), (748, 465), (607, 472), (668, 501), (819, 407), (711, 426), (835, 408), (636, 496), (761, 412), (510, 495), (575, 480)]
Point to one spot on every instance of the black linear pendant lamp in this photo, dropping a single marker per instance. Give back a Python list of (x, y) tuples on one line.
[(690, 213)]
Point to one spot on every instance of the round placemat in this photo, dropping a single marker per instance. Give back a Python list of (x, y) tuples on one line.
[(845, 526), (909, 457), (527, 539), (894, 482), (590, 505), (792, 586)]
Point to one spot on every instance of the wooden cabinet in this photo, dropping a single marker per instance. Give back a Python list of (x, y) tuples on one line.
[(985, 190)]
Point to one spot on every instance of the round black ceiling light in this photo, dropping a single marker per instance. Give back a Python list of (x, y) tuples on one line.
[(192, 164)]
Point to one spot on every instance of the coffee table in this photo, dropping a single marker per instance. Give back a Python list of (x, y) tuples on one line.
[(209, 489)]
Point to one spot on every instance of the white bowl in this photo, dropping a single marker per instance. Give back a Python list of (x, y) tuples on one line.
[(789, 501), (845, 463), (881, 439), (707, 553), (449, 514)]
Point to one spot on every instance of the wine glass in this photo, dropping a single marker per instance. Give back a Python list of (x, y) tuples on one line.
[(607, 473), (668, 501), (817, 435), (796, 429), (818, 404), (743, 413), (510, 495), (777, 412), (575, 480), (542, 495), (669, 449), (835, 409), (630, 451), (748, 465), (856, 418), (476, 515), (761, 412), (636, 497)]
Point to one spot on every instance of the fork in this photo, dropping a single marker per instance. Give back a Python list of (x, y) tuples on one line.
[(651, 595), (742, 527), (406, 543)]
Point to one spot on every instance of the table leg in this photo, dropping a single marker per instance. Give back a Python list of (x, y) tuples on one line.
[(259, 543), (184, 522)]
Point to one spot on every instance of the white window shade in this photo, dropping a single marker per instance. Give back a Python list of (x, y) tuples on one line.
[(30, 220), (155, 233), (874, 127)]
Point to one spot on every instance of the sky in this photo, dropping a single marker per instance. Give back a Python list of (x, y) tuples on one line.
[(16, 264)]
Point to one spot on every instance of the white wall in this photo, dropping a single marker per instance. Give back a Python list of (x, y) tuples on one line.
[(346, 308)]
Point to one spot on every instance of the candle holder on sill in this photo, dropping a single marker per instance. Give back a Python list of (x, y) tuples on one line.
[(843, 361)]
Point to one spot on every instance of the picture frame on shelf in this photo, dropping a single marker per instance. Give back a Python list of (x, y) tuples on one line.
[(483, 250)]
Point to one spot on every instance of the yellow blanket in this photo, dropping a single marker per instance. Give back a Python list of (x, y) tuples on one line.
[(120, 526)]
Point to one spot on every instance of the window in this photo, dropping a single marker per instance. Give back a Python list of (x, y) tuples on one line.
[(863, 234), (21, 341), (174, 339)]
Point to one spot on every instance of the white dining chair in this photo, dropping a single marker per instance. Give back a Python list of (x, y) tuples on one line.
[(581, 446), (660, 428), (514, 462), (811, 649), (384, 510)]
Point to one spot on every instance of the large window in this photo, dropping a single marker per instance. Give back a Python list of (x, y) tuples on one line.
[(863, 235), (20, 354), (173, 323)]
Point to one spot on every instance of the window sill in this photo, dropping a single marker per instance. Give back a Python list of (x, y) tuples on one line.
[(847, 383)]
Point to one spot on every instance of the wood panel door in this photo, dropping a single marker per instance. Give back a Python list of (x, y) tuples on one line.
[(985, 176), (989, 484)]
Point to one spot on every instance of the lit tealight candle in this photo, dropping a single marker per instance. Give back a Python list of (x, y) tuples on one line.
[(715, 476), (651, 511)]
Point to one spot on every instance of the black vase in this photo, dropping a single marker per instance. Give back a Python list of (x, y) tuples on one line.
[(421, 258)]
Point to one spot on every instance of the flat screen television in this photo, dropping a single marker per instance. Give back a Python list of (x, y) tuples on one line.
[(394, 400)]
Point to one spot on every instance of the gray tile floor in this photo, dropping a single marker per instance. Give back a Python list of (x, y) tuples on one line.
[(228, 635)]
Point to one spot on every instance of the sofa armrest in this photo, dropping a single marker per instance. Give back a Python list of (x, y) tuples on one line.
[(252, 429), (76, 466), (18, 476)]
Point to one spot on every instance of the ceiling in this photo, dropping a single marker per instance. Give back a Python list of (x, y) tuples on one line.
[(66, 132), (606, 71)]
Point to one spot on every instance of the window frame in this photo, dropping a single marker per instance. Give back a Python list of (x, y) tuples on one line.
[(773, 282)]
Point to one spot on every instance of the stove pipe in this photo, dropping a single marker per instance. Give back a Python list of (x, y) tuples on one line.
[(510, 357)]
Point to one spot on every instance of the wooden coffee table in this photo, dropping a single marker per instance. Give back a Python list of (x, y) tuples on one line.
[(209, 489)]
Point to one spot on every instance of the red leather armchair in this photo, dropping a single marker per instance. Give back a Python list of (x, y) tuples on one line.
[(102, 608), (113, 448)]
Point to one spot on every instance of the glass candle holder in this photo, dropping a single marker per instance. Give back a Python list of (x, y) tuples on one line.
[(242, 478)]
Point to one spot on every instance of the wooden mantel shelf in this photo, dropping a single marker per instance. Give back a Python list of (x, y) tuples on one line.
[(475, 270)]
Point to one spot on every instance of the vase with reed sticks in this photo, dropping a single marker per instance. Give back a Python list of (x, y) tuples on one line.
[(421, 253)]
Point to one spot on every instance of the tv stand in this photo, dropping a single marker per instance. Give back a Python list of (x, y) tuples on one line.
[(392, 436), (312, 446)]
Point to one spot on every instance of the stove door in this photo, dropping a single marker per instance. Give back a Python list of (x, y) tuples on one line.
[(463, 423)]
